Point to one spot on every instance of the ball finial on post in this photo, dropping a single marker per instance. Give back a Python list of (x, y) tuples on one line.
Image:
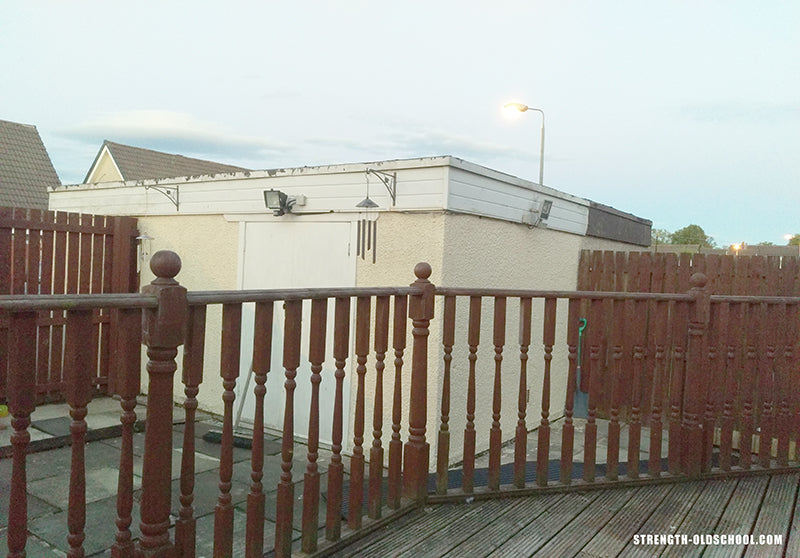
[(422, 270), (165, 265)]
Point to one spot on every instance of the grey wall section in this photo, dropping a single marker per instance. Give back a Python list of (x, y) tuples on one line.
[(612, 224)]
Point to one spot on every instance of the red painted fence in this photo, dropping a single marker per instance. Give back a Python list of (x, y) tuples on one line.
[(46, 252), (657, 342)]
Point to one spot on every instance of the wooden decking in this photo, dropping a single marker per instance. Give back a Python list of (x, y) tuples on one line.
[(602, 523)]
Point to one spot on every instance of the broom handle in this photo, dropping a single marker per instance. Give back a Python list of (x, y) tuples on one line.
[(241, 402)]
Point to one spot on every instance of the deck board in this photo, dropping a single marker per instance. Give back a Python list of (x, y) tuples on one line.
[(613, 537), (601, 522), (459, 530), (536, 533), (775, 514), (574, 536), (793, 542), (739, 516), (666, 518), (485, 542), (703, 517)]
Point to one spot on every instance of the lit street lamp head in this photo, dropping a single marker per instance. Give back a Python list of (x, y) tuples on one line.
[(515, 106)]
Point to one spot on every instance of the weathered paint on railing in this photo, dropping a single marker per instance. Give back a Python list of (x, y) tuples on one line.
[(685, 364)]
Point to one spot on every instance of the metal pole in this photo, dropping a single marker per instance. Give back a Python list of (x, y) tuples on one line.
[(541, 154)]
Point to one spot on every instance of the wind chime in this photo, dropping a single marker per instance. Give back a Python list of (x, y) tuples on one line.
[(367, 232)]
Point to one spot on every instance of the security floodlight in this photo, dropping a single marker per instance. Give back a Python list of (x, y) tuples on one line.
[(278, 202)]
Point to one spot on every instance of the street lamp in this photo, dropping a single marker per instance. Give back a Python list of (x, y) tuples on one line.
[(524, 108)]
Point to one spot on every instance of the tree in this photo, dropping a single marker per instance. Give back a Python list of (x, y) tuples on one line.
[(660, 236), (692, 234), (794, 240)]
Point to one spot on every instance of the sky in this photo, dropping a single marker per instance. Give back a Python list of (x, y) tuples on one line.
[(681, 112)]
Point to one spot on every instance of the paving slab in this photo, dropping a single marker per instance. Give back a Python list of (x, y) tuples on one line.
[(36, 506), (100, 526)]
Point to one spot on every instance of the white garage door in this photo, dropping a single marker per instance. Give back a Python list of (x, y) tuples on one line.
[(294, 255)]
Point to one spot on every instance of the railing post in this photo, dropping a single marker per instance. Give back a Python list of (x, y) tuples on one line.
[(415, 458), (163, 330), (697, 377)]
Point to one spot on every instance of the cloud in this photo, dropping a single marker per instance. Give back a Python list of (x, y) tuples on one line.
[(730, 113), (423, 144), (175, 132)]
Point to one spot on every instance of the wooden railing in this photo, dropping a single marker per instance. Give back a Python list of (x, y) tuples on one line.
[(711, 376)]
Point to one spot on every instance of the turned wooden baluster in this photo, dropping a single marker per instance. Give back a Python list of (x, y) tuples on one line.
[(636, 315), (185, 527), (316, 356), (78, 375), (127, 384), (443, 447), (262, 359), (792, 353), (396, 445), (595, 338), (521, 436), (21, 403), (615, 385), (162, 331), (357, 459), (229, 371), (548, 339), (417, 449), (783, 379), (293, 313), (679, 321), (473, 338), (376, 451), (715, 388), (730, 315), (495, 433), (659, 340), (748, 385), (696, 352), (341, 344), (568, 432), (766, 366)]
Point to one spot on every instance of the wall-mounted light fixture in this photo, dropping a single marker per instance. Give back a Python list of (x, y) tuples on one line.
[(280, 203), (544, 213)]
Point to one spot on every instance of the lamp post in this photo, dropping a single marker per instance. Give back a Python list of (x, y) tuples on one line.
[(524, 108)]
